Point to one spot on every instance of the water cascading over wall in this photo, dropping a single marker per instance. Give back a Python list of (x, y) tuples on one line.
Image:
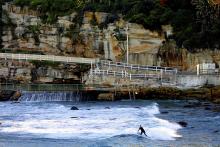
[(50, 96), (45, 96)]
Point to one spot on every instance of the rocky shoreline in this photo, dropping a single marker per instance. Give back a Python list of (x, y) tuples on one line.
[(205, 93), (9, 95)]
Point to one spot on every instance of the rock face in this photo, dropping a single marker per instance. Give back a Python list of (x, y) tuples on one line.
[(7, 95), (106, 96), (24, 32), (38, 72)]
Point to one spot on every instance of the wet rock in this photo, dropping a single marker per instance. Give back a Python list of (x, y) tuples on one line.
[(137, 107), (216, 109), (188, 106), (183, 123), (193, 105), (73, 117), (74, 108), (88, 109), (164, 112), (208, 108), (6, 95), (216, 131), (206, 104), (16, 96), (107, 108)]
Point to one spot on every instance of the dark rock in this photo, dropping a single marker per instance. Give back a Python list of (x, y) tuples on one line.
[(207, 108), (74, 108), (216, 131), (206, 104), (188, 106), (195, 103), (107, 107), (183, 123), (137, 107), (6, 95), (73, 117), (216, 109), (88, 109), (16, 96), (164, 112)]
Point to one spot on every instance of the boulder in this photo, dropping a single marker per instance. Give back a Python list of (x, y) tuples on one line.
[(16, 96), (183, 123), (74, 108), (207, 108), (6, 95), (74, 117)]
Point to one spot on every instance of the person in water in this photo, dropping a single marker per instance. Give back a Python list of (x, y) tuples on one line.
[(142, 130)]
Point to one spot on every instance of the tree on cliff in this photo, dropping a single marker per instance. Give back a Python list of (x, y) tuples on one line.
[(196, 23), (1, 24)]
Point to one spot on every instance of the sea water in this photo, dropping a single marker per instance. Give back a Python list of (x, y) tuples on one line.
[(106, 124)]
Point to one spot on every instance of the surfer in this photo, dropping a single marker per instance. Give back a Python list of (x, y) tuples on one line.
[(142, 130)]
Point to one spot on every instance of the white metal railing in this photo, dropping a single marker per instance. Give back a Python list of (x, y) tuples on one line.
[(48, 58), (125, 74), (138, 67)]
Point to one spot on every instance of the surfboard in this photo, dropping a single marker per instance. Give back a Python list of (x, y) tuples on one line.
[(139, 134)]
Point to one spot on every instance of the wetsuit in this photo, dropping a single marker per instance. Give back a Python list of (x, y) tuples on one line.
[(142, 131)]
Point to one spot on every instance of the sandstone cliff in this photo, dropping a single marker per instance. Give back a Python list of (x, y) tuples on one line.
[(92, 35)]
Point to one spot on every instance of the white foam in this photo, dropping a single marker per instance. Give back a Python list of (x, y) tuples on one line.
[(54, 122)]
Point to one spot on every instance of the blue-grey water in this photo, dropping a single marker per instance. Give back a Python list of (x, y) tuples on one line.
[(107, 124)]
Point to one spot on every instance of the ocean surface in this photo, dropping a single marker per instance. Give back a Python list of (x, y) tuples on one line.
[(107, 124)]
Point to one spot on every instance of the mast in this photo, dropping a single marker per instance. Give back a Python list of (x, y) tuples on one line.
[(127, 45)]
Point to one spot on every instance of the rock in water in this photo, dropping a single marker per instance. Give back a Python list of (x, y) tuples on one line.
[(207, 108), (16, 96), (164, 112), (6, 95), (74, 108), (183, 123)]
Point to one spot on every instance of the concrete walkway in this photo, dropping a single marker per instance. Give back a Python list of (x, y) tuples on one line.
[(65, 59)]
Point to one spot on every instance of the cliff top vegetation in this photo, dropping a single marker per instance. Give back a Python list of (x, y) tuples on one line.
[(196, 23)]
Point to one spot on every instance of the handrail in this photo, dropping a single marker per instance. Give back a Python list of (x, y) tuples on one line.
[(48, 58), (124, 74), (139, 67)]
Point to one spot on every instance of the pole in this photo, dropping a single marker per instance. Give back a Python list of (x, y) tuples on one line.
[(127, 44)]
